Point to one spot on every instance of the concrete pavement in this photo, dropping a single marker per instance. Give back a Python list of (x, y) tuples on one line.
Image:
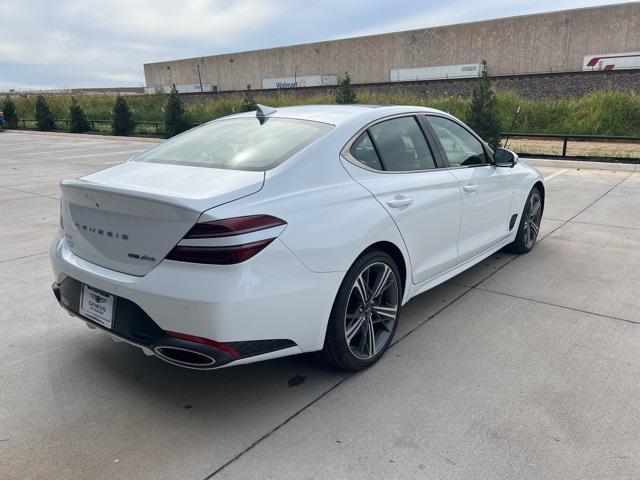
[(523, 367)]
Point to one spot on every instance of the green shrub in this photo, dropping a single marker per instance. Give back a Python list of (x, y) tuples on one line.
[(483, 115), (345, 91), (175, 118), (249, 101), (44, 115), (607, 113), (77, 118), (10, 113), (123, 123)]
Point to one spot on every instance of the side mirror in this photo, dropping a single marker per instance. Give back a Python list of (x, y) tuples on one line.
[(505, 158)]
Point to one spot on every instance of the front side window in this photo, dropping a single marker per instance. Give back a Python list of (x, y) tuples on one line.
[(238, 144), (402, 145), (460, 146)]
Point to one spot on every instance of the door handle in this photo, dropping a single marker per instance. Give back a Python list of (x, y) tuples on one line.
[(470, 188), (400, 201)]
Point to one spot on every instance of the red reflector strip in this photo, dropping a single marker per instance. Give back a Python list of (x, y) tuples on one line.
[(233, 226), (204, 341), (217, 255)]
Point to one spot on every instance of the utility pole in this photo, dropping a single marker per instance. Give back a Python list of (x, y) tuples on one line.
[(199, 77)]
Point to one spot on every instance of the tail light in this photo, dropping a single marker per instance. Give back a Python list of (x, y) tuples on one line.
[(233, 226), (227, 253)]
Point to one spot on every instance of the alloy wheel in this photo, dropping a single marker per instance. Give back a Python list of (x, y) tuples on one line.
[(372, 310), (532, 220)]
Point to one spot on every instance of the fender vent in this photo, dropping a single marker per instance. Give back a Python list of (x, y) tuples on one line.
[(512, 222)]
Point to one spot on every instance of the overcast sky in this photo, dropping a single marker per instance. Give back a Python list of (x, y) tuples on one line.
[(99, 43)]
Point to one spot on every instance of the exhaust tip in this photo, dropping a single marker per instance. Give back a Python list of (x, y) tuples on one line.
[(183, 357)]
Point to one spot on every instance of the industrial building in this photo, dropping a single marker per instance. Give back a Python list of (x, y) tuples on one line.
[(598, 38)]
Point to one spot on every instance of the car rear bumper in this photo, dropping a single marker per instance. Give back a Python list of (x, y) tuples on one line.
[(267, 307), (132, 325)]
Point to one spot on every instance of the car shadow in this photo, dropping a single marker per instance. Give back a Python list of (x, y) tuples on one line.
[(211, 391)]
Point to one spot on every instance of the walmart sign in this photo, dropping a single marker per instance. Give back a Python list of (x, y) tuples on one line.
[(301, 81)]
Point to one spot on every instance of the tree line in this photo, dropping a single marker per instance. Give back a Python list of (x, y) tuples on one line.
[(122, 124)]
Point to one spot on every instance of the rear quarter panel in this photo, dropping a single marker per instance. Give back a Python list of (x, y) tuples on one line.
[(331, 219)]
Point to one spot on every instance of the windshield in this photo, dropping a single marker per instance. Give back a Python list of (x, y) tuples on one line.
[(238, 143)]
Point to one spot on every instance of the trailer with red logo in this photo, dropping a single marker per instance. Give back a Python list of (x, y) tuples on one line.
[(612, 61)]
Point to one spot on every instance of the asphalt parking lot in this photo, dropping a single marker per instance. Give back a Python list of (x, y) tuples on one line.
[(524, 367)]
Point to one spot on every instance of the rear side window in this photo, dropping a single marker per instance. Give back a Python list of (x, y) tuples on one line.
[(460, 146), (364, 151), (238, 144), (402, 145)]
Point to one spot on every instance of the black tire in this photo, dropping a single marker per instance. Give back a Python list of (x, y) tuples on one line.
[(337, 349), (529, 224)]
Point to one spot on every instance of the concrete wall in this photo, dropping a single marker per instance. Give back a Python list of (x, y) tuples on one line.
[(542, 43)]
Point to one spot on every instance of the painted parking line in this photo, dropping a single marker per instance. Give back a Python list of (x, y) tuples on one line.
[(86, 147), (554, 175), (24, 148), (102, 154)]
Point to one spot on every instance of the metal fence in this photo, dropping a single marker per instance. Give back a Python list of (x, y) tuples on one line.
[(611, 145)]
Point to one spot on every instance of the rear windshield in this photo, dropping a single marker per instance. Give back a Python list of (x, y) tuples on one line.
[(238, 143)]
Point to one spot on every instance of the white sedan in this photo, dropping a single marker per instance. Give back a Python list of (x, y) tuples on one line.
[(285, 231)]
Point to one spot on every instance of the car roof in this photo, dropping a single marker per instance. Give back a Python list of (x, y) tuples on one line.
[(341, 114)]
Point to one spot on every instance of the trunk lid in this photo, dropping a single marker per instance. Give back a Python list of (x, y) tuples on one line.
[(127, 218)]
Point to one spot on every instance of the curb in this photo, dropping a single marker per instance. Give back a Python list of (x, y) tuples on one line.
[(582, 164), (86, 135)]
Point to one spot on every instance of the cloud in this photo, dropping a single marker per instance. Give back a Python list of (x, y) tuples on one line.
[(92, 43), (110, 40), (162, 20)]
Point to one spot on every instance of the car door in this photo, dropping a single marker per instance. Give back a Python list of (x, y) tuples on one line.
[(485, 188), (393, 160)]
